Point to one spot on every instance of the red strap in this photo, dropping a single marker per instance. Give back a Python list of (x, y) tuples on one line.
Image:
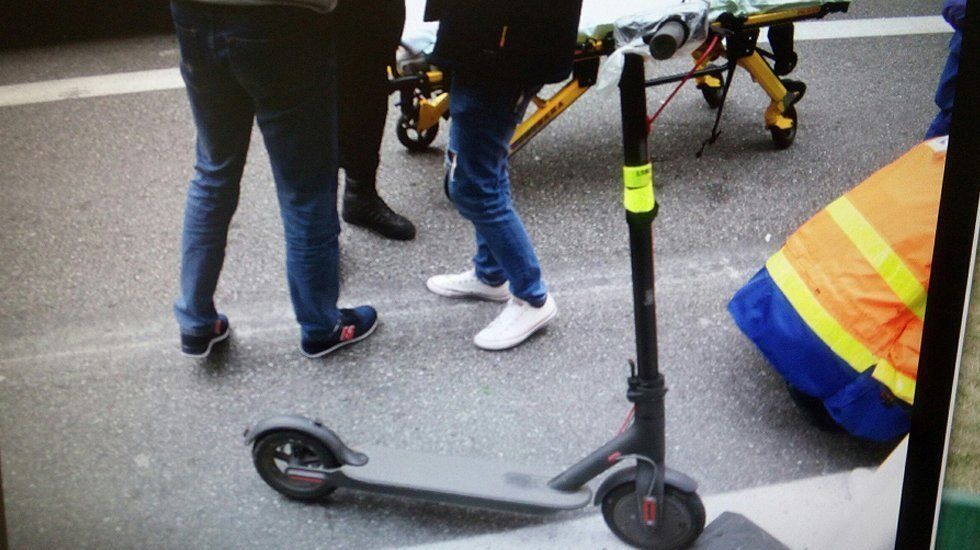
[(714, 42)]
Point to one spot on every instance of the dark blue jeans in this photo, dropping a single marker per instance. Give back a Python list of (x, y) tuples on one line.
[(946, 91), (484, 115), (274, 65)]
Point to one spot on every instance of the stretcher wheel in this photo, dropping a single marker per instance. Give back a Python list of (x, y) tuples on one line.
[(712, 94), (279, 450), (414, 140), (782, 139), (680, 516)]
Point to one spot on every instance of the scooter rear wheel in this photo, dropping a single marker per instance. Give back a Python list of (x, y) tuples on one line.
[(680, 518), (279, 450)]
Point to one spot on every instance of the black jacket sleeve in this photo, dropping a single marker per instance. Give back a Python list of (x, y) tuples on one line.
[(528, 40), (433, 9)]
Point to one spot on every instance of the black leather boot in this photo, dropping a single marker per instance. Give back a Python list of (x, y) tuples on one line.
[(362, 206)]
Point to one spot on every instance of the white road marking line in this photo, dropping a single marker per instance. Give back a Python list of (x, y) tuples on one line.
[(169, 79), (90, 86), (277, 318), (871, 28)]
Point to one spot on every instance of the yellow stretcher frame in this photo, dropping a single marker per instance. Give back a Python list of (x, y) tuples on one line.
[(428, 101)]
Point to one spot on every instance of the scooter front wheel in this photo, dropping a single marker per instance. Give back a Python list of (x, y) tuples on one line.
[(679, 523), (277, 451)]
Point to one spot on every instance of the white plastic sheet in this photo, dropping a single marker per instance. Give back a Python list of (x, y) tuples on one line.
[(743, 8), (597, 20), (625, 18), (599, 17), (632, 31)]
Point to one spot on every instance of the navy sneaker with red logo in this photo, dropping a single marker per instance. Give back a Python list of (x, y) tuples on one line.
[(200, 346), (354, 325)]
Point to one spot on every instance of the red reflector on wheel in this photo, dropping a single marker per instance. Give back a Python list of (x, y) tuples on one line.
[(305, 476), (305, 479), (649, 510)]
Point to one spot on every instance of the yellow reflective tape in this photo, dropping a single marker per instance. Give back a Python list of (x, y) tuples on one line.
[(879, 254), (638, 194), (814, 314), (902, 386), (831, 332)]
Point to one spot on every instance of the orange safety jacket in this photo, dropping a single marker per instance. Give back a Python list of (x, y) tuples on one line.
[(858, 271), (856, 274)]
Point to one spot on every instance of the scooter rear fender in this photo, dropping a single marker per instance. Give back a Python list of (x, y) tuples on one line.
[(312, 428)]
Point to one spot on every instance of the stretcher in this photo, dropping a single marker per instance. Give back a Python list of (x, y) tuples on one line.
[(731, 31)]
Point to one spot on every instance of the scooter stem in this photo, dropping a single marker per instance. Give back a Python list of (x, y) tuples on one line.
[(645, 437), (641, 209)]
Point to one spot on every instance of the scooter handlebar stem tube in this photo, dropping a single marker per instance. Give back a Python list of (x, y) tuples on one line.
[(645, 436)]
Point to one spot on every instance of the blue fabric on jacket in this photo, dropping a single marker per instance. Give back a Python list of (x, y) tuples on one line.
[(859, 403)]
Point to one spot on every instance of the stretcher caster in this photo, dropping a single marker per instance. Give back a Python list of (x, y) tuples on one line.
[(680, 518), (278, 451), (712, 94), (782, 138), (794, 87), (412, 138)]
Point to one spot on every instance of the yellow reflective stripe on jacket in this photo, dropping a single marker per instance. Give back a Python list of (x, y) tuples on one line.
[(831, 332), (901, 385), (879, 254), (814, 314)]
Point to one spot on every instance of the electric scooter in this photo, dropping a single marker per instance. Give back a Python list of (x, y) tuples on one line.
[(645, 504)]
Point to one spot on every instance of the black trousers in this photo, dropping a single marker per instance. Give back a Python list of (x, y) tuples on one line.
[(368, 33)]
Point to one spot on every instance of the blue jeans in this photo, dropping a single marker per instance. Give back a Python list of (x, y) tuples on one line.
[(274, 65), (484, 115), (946, 91)]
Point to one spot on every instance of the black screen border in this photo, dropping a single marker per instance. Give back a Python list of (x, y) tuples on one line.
[(948, 297)]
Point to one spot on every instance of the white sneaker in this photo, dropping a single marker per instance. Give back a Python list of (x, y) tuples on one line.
[(467, 285), (518, 321)]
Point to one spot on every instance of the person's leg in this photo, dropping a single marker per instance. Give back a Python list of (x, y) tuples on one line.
[(368, 33), (946, 91), (485, 281), (291, 80), (223, 116), (362, 62), (486, 266), (484, 117)]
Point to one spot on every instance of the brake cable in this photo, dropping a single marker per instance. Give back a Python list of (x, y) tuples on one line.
[(629, 417)]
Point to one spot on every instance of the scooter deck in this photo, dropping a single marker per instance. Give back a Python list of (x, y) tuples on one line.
[(465, 481)]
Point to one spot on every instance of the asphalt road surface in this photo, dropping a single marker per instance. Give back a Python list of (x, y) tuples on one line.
[(111, 439)]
